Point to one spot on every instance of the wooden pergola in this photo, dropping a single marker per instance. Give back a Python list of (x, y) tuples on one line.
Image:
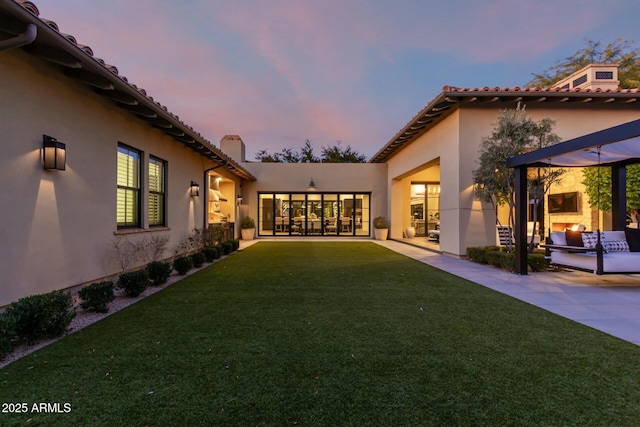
[(615, 147)]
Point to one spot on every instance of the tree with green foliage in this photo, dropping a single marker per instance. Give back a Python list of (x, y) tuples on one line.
[(621, 52), (265, 157), (540, 180), (339, 154), (289, 155), (514, 134), (598, 188), (306, 153), (627, 56), (330, 154)]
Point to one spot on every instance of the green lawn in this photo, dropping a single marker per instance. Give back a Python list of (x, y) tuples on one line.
[(329, 333)]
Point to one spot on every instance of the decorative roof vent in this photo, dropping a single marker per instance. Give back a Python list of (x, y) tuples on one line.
[(593, 76)]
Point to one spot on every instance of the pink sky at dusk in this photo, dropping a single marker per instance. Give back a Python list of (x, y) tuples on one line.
[(277, 72)]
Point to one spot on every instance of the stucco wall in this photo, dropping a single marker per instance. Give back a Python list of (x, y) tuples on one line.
[(455, 141), (441, 143), (57, 225)]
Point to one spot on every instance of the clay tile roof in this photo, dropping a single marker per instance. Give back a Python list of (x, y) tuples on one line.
[(29, 6), (51, 24), (452, 97), (86, 49)]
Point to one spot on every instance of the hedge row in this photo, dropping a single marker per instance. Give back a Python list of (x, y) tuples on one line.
[(49, 315), (498, 257), (33, 318)]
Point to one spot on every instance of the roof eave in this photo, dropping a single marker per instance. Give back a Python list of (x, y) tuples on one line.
[(451, 98), (80, 64)]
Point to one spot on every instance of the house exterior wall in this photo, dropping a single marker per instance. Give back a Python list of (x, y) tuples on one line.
[(455, 141), (441, 142), (57, 225)]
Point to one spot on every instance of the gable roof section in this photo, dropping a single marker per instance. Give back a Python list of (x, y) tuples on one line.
[(453, 97), (78, 62)]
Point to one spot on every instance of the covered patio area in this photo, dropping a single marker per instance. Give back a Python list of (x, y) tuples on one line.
[(615, 147)]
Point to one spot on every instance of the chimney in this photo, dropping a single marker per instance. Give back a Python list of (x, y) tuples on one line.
[(232, 146), (593, 76)]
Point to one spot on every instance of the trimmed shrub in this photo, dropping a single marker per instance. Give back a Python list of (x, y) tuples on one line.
[(41, 316), (235, 243), (97, 296), (133, 283), (210, 254), (218, 251), (227, 247), (498, 257), (477, 254), (182, 265), (159, 272), (7, 335), (380, 222), (197, 259), (537, 261), (502, 260)]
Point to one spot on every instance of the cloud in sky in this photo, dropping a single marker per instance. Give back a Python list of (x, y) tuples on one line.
[(280, 71)]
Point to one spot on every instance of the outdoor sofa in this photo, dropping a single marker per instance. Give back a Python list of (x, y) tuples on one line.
[(619, 251)]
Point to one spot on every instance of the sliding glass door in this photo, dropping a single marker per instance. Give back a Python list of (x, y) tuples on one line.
[(314, 214)]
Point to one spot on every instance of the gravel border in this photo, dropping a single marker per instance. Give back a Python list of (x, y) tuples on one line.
[(85, 318)]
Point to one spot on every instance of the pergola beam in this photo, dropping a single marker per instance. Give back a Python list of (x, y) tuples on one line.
[(575, 147), (520, 232)]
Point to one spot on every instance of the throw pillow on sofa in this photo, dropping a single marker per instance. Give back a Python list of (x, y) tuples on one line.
[(574, 238), (616, 246), (633, 239), (590, 240)]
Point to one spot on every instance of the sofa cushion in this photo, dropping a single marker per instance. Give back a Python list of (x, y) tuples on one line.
[(615, 246), (633, 238), (574, 238), (619, 262), (558, 238), (615, 235)]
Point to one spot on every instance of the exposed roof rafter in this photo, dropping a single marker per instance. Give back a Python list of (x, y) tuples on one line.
[(452, 98)]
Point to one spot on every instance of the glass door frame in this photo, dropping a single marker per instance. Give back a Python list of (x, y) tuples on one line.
[(306, 226)]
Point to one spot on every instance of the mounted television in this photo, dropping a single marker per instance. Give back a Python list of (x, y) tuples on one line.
[(563, 202)]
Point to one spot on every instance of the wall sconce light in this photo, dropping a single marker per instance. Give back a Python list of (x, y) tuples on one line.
[(195, 189), (312, 185), (239, 200), (476, 188), (54, 153)]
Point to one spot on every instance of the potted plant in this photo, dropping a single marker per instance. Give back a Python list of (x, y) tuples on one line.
[(247, 228), (381, 229)]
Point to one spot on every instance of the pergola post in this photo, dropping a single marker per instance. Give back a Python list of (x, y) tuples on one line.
[(619, 197), (522, 205)]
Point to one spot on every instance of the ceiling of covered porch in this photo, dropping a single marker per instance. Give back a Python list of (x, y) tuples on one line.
[(618, 145)]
